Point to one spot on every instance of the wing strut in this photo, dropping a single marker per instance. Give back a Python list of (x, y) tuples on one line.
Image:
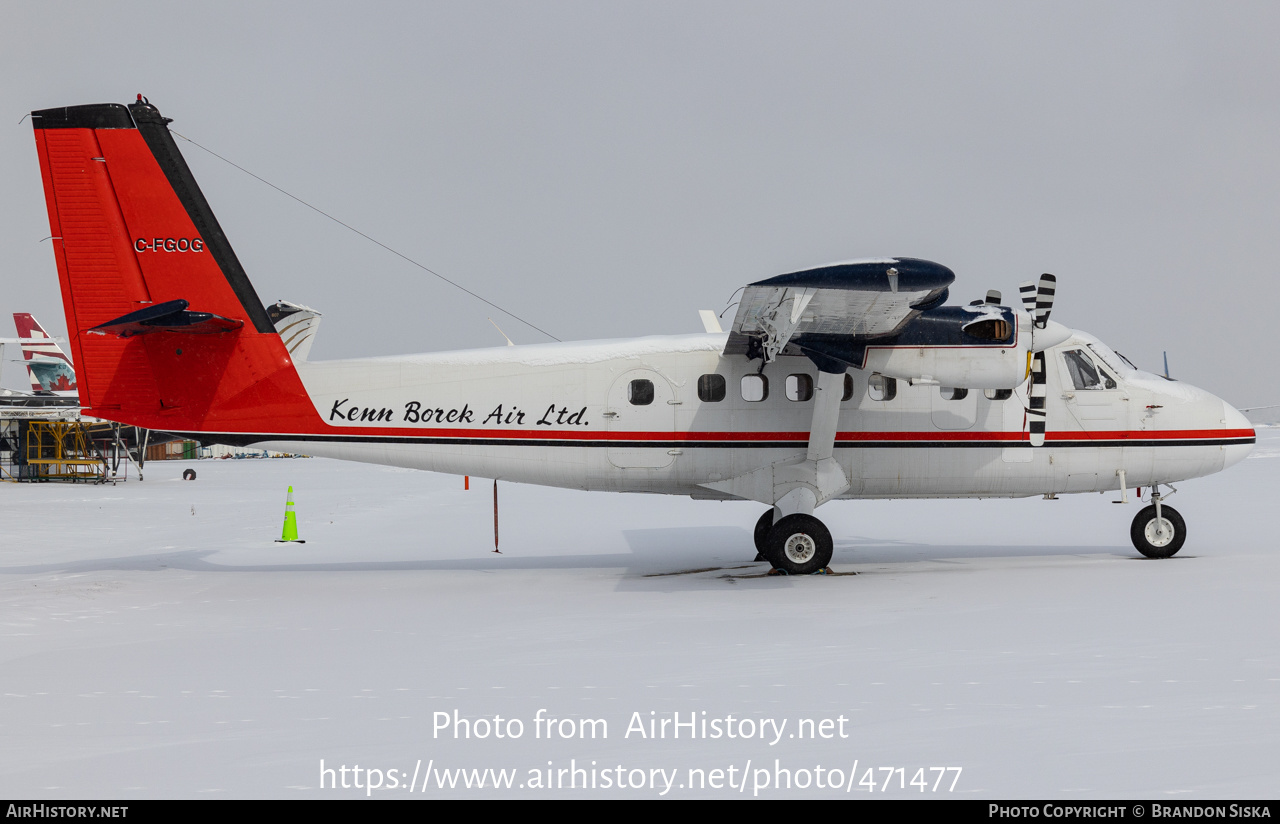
[(826, 416), (802, 486)]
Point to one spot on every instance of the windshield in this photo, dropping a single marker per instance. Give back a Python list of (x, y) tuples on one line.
[(1126, 360), (1111, 358)]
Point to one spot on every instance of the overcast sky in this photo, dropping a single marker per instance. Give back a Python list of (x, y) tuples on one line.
[(606, 169)]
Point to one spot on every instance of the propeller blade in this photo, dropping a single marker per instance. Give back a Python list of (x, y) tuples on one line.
[(1037, 299), (1036, 418), (1044, 299), (993, 297), (1028, 292)]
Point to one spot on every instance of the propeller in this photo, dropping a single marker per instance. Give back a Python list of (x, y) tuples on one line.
[(1037, 299)]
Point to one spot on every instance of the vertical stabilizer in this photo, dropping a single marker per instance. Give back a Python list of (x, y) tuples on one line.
[(48, 367), (136, 244)]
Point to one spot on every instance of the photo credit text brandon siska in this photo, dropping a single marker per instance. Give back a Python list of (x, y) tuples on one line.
[(1131, 810)]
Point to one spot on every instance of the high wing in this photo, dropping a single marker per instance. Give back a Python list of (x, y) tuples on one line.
[(829, 314), (853, 301)]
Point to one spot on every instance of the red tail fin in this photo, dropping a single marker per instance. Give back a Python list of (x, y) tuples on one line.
[(136, 244)]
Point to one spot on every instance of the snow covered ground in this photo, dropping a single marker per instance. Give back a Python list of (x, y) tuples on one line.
[(156, 642)]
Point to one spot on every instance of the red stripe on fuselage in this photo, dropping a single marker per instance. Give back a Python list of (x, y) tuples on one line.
[(799, 438)]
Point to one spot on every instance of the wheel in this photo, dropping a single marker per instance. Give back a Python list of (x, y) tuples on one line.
[(799, 544), (188, 474), (762, 533), (1160, 538)]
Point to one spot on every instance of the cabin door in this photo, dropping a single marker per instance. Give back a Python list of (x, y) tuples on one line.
[(641, 416)]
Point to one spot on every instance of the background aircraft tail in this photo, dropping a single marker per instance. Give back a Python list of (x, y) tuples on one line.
[(165, 328), (47, 365)]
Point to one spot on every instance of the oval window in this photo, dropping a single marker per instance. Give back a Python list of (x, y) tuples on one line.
[(799, 387), (640, 392), (755, 388), (880, 388), (711, 388)]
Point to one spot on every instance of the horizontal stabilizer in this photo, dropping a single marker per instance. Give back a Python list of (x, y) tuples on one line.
[(170, 316), (296, 324)]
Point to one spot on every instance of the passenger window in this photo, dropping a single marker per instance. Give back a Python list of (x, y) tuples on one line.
[(755, 388), (998, 394), (951, 393), (880, 388), (848, 387), (1083, 373), (799, 387), (711, 388), (640, 392)]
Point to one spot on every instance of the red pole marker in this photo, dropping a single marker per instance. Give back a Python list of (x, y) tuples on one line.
[(495, 516), (466, 481)]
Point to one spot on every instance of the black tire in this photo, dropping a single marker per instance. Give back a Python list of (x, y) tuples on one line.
[(188, 474), (799, 544), (762, 534), (1144, 537)]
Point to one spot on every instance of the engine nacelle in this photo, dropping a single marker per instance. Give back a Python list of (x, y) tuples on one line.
[(975, 347), (979, 346), (1004, 368)]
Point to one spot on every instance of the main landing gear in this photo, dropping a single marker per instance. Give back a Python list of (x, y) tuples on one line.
[(798, 544), (762, 533), (1158, 531)]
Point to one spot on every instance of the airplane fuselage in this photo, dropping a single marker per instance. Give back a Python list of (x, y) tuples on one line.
[(641, 415)]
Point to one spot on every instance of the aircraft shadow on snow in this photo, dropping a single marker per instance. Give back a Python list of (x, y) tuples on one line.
[(662, 559)]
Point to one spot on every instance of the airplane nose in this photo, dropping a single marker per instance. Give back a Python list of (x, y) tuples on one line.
[(1238, 425)]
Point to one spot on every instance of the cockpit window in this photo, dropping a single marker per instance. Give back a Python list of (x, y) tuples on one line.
[(1111, 357), (1128, 362), (1085, 374)]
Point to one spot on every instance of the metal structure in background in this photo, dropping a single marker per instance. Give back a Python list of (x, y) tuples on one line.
[(62, 451), (46, 440)]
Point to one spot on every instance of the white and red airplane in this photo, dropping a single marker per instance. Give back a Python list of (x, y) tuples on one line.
[(852, 380), (48, 367)]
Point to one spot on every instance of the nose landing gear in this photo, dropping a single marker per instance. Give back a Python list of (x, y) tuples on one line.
[(1158, 531)]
